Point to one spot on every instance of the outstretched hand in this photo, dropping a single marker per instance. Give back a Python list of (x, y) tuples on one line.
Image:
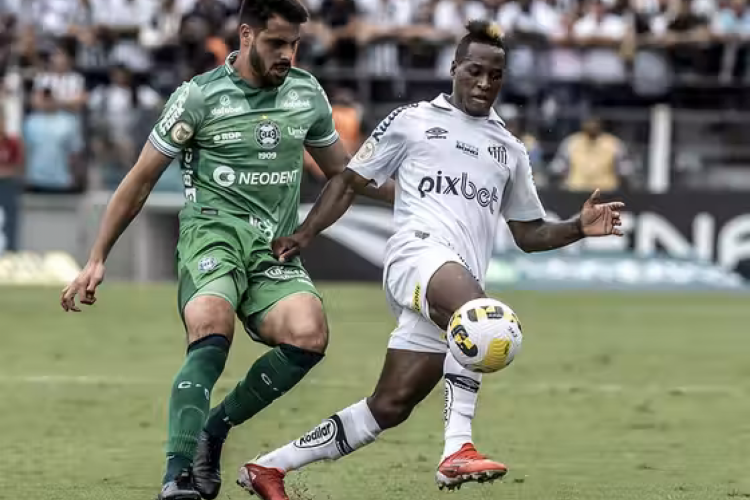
[(286, 248), (601, 219)]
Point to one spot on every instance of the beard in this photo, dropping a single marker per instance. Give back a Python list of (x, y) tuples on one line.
[(259, 67)]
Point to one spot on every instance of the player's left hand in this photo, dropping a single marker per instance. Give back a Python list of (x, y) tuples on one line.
[(286, 248), (601, 219)]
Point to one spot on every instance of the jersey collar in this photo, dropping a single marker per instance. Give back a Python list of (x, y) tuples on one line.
[(229, 61), (229, 66), (442, 102)]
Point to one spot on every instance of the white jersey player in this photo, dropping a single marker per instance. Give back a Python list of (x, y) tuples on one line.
[(457, 170)]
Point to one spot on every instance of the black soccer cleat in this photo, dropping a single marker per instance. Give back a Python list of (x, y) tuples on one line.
[(207, 465), (181, 488)]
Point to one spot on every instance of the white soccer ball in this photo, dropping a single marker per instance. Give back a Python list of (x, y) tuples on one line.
[(484, 335)]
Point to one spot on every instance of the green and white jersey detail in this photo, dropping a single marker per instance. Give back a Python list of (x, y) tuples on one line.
[(242, 147)]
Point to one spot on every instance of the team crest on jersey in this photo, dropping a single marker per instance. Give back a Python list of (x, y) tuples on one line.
[(181, 133), (499, 153), (267, 134)]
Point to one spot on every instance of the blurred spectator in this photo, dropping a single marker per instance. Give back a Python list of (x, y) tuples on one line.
[(335, 30), (120, 22), (116, 108), (601, 33), (53, 144), (686, 34), (731, 25), (379, 34), (450, 17), (162, 27), (514, 125), (347, 117), (11, 153), (592, 159), (65, 85)]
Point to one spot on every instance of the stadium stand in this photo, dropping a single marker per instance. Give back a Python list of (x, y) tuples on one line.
[(97, 71)]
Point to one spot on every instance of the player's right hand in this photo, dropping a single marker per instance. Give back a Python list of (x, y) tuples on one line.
[(84, 286), (286, 248)]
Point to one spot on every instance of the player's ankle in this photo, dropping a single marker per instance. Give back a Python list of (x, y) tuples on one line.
[(176, 463), (217, 424), (453, 444)]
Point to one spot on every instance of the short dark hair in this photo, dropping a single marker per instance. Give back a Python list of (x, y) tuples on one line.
[(480, 31), (256, 13)]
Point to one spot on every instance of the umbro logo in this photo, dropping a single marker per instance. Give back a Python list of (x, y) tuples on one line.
[(499, 153), (436, 133)]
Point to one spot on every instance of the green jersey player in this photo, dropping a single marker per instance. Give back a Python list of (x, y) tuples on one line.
[(240, 132)]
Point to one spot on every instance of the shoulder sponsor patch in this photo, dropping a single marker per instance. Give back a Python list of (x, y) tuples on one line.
[(181, 133), (366, 150)]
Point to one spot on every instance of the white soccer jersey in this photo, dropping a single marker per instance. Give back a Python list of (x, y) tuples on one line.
[(455, 175)]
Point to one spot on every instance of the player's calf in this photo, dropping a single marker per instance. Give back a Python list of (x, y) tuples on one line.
[(297, 328), (209, 321)]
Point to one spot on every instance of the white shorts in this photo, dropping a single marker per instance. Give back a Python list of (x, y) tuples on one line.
[(408, 271)]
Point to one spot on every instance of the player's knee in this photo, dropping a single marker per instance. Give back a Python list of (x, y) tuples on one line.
[(391, 409), (208, 315), (309, 333)]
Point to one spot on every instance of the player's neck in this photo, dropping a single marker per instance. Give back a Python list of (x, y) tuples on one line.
[(242, 67), (453, 102)]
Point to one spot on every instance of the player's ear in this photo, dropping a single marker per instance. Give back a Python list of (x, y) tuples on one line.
[(246, 34), (453, 68)]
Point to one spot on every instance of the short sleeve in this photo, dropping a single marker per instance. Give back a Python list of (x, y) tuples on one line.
[(523, 201), (323, 132), (179, 121), (382, 153)]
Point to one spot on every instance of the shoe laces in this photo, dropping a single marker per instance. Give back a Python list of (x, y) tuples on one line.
[(471, 453)]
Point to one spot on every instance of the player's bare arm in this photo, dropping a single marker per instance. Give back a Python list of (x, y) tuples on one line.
[(333, 202), (333, 160), (595, 219), (125, 204)]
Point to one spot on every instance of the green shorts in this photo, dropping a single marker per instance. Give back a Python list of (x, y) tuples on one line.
[(226, 256)]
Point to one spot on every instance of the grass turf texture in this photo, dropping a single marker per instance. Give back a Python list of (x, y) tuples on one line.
[(614, 396)]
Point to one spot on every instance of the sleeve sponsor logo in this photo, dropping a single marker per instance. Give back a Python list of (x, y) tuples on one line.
[(388, 120), (174, 112)]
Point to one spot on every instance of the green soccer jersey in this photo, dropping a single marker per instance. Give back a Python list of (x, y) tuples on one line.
[(242, 147)]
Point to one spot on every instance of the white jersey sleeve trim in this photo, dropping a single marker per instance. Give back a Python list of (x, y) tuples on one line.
[(162, 146), (325, 141)]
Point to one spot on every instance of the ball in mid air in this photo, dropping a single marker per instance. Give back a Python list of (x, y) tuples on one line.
[(484, 335)]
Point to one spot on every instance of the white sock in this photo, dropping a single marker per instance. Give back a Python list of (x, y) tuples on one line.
[(461, 392), (348, 430)]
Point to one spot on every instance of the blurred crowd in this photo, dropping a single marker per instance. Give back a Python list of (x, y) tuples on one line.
[(93, 74)]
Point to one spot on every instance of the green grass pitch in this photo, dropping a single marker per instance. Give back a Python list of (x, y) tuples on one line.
[(614, 396)]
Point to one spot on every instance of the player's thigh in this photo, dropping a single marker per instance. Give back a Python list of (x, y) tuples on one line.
[(429, 279), (211, 279), (282, 306), (449, 288)]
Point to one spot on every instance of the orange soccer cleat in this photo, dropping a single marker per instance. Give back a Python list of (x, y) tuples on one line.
[(467, 465), (267, 483)]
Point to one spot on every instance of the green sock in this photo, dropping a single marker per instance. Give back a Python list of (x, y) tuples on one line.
[(190, 399), (271, 375)]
